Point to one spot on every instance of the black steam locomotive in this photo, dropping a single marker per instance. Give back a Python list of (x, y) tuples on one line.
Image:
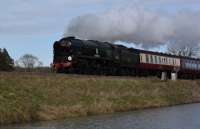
[(73, 55)]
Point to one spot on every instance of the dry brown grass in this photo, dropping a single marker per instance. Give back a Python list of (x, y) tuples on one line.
[(28, 97)]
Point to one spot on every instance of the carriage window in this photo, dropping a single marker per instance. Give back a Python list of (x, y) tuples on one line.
[(151, 59), (170, 63), (163, 60), (159, 60), (198, 66), (166, 61), (187, 65), (147, 58), (156, 61)]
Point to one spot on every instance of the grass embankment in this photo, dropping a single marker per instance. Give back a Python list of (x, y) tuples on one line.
[(24, 98)]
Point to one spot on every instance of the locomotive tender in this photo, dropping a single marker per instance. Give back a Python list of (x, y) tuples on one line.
[(73, 55)]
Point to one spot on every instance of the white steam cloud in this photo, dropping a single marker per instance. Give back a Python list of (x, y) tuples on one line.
[(139, 26)]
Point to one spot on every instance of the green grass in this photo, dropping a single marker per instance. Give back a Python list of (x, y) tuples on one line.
[(31, 97)]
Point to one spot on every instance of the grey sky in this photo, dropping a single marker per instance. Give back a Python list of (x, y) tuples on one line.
[(33, 16), (31, 26)]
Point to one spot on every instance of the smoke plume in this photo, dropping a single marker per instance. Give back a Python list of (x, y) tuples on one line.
[(139, 26)]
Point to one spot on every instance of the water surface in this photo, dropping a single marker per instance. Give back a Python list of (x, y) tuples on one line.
[(178, 117)]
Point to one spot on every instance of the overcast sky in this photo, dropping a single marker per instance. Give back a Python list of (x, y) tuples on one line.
[(32, 26)]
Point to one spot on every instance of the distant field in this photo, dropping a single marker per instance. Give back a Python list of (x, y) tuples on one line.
[(26, 97)]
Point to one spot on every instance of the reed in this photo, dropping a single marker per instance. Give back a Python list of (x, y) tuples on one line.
[(34, 97)]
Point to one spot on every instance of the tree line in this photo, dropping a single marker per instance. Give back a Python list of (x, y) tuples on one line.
[(27, 62)]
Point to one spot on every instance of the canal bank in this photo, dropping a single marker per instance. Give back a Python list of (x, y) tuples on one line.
[(35, 97), (176, 117)]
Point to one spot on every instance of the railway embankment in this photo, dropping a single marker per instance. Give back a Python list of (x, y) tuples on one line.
[(34, 97)]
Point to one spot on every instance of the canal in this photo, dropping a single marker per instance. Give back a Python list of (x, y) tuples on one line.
[(177, 117)]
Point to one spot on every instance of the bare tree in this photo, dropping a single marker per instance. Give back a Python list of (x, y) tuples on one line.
[(184, 51), (40, 64), (28, 61)]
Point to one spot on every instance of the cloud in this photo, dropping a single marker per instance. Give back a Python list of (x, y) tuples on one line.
[(138, 25), (180, 1), (22, 17), (167, 1)]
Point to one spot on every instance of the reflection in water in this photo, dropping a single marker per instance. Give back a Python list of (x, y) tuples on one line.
[(179, 117)]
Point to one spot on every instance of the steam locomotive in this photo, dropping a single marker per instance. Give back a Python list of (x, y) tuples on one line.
[(73, 55)]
